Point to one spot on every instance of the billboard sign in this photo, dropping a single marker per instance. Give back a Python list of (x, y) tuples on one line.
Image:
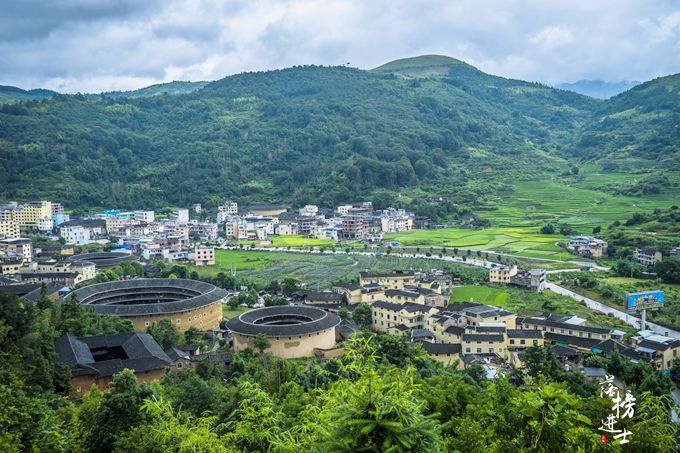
[(647, 299)]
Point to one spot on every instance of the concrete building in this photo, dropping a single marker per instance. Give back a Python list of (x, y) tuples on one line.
[(587, 246), (204, 256), (17, 247), (203, 231), (292, 331), (76, 234), (646, 257), (182, 215), (353, 227), (675, 253), (502, 274), (144, 216), (229, 207), (9, 229)]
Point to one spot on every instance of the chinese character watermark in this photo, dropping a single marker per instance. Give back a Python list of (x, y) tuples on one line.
[(621, 408)]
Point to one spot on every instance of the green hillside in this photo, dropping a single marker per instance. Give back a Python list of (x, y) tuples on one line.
[(334, 134), (170, 88), (9, 94)]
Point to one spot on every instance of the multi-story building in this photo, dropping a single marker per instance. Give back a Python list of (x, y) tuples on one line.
[(309, 210), (229, 207), (204, 231), (343, 209), (197, 208), (502, 274), (646, 257), (587, 246), (353, 227), (181, 215), (17, 247), (9, 229), (659, 349), (144, 216), (75, 234), (204, 256)]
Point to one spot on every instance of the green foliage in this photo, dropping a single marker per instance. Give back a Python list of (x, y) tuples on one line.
[(362, 315), (164, 332), (261, 342)]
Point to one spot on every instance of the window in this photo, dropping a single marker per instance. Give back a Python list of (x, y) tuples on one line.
[(512, 341), (146, 323), (490, 349), (179, 321), (479, 350), (467, 341), (535, 342), (467, 350), (179, 365), (522, 341)]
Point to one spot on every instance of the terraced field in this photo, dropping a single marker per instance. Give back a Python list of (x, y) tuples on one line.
[(581, 205), (525, 241), (321, 270)]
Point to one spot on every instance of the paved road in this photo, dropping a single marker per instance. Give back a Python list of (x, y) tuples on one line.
[(595, 305)]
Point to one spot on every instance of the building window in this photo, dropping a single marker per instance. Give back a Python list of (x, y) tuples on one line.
[(512, 341), (179, 365), (467, 350), (490, 350), (479, 350), (179, 321), (146, 323), (522, 341)]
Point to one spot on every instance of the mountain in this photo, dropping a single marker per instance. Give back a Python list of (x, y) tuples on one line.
[(9, 94), (598, 88), (310, 134)]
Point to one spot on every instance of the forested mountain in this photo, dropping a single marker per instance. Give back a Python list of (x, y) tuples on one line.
[(9, 94), (417, 126)]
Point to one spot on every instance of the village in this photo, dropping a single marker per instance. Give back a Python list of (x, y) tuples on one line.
[(418, 306)]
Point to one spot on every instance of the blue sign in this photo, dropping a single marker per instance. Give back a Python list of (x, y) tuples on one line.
[(647, 299)]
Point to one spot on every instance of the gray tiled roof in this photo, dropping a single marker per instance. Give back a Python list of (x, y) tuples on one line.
[(303, 320)]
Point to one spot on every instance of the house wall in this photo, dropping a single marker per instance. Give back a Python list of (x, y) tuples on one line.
[(204, 318), (290, 347)]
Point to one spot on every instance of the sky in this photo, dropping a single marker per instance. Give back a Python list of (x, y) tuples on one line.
[(102, 45)]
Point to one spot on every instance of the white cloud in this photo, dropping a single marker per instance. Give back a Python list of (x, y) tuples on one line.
[(81, 45)]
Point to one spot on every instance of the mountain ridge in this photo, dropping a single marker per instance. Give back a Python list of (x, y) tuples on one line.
[(311, 134)]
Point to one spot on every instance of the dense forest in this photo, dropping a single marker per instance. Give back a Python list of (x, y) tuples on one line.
[(384, 394), (423, 126)]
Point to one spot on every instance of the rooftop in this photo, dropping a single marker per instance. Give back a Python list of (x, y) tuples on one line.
[(283, 321)]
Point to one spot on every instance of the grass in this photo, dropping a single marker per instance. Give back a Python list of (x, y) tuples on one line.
[(320, 270), (229, 313), (532, 303), (299, 240)]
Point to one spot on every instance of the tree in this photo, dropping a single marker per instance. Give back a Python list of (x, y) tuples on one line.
[(261, 342), (548, 229), (164, 332), (362, 315), (191, 335), (118, 412), (289, 286), (343, 313), (668, 270)]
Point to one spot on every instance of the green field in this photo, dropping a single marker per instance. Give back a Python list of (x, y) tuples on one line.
[(321, 270), (525, 241), (581, 205), (532, 303), (298, 240)]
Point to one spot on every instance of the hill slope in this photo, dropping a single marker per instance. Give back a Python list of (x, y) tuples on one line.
[(304, 134), (9, 94)]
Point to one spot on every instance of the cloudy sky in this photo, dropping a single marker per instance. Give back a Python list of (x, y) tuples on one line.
[(100, 45)]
